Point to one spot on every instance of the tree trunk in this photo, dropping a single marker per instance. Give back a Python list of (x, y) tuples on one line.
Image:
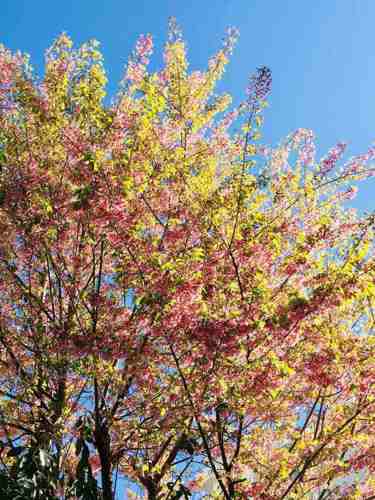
[(152, 488), (102, 440)]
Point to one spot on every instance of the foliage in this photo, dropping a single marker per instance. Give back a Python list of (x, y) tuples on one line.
[(31, 475), (180, 306)]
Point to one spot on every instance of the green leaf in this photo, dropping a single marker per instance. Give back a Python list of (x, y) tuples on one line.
[(44, 458), (2, 156)]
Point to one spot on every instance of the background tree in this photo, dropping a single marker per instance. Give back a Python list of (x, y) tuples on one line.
[(180, 306)]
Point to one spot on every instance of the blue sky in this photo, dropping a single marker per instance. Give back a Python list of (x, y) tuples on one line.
[(321, 53)]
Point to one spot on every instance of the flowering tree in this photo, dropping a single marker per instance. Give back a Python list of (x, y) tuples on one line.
[(181, 308)]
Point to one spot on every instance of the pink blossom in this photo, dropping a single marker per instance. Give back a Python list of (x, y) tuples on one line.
[(329, 162), (143, 48), (303, 139)]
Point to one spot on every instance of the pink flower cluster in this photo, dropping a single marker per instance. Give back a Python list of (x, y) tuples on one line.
[(259, 85), (329, 162), (356, 166), (137, 64), (143, 48), (303, 139), (230, 40)]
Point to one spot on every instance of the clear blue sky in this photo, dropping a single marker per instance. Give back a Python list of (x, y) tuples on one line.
[(321, 53)]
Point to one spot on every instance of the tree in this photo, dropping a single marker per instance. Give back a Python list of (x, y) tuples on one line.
[(180, 306)]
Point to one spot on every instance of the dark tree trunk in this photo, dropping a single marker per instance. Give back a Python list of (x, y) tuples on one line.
[(152, 487), (102, 440)]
